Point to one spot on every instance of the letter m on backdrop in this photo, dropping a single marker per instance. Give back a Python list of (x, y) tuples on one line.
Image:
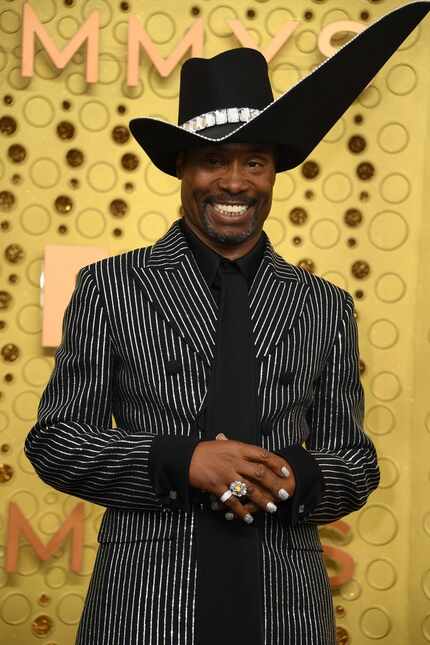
[(138, 37), (18, 525), (88, 32)]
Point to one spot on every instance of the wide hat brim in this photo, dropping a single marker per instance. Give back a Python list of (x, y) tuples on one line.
[(300, 118)]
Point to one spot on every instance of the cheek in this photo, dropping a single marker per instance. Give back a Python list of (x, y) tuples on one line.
[(195, 183), (266, 202), (191, 196), (266, 193)]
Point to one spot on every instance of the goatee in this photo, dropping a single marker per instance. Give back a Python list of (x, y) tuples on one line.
[(230, 239)]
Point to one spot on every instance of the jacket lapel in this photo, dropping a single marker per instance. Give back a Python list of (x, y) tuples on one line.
[(173, 283), (175, 286), (277, 297)]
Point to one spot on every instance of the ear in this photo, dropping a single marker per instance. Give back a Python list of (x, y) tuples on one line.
[(275, 175), (180, 164)]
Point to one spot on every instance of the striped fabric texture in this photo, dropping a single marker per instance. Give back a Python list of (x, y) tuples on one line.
[(128, 318)]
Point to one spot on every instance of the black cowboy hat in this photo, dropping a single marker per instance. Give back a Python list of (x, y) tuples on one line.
[(228, 98)]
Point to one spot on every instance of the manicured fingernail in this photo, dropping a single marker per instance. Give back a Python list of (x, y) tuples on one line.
[(220, 435), (271, 507), (215, 506), (283, 494), (248, 518), (285, 471), (229, 516)]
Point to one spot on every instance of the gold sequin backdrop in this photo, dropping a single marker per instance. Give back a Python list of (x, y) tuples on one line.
[(356, 213)]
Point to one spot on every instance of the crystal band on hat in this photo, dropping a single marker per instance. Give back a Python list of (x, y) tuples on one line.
[(219, 117)]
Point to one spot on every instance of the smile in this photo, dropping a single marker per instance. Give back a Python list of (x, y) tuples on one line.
[(230, 210)]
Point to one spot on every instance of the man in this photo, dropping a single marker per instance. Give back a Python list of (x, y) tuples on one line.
[(232, 375)]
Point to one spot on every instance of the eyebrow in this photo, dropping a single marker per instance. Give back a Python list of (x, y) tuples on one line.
[(221, 148)]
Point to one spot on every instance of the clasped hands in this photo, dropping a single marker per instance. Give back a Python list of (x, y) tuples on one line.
[(268, 477)]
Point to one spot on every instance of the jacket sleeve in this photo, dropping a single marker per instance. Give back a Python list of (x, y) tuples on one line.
[(73, 447), (337, 468)]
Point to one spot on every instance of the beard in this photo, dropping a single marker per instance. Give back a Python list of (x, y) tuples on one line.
[(230, 239)]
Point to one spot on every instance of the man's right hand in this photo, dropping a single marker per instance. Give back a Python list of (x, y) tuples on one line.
[(215, 464)]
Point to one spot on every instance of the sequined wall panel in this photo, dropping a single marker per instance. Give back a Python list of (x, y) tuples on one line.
[(355, 213)]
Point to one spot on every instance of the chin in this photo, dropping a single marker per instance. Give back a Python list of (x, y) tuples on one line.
[(230, 238)]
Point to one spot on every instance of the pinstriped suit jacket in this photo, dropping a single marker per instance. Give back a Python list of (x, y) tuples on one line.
[(128, 316)]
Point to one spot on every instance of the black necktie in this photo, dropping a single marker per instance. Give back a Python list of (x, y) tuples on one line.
[(229, 584)]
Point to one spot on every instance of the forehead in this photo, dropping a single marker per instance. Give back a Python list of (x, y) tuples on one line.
[(234, 148)]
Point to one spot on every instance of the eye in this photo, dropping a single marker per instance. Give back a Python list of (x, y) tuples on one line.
[(214, 161), (256, 164)]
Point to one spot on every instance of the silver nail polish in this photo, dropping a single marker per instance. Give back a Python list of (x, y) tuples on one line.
[(248, 518), (285, 471), (283, 494), (271, 507), (229, 516)]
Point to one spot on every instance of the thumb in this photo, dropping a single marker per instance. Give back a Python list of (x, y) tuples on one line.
[(220, 435)]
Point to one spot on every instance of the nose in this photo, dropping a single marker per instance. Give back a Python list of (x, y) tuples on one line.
[(233, 179)]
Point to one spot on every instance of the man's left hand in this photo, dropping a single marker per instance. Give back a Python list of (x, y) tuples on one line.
[(258, 481)]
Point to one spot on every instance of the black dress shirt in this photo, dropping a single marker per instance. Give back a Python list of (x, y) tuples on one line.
[(208, 260)]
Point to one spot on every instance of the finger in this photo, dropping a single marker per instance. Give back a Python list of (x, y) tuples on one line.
[(255, 453), (220, 435), (260, 497), (237, 508), (279, 465), (279, 468), (280, 488), (217, 505), (249, 507), (257, 499)]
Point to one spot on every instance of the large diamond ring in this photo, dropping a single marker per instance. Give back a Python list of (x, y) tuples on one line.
[(238, 488)]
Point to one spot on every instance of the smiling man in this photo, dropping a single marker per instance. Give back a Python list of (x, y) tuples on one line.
[(232, 375)]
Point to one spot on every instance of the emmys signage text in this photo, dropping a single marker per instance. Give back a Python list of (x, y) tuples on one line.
[(138, 38)]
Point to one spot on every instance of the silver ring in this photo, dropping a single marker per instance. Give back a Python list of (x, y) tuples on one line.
[(226, 495), (238, 488)]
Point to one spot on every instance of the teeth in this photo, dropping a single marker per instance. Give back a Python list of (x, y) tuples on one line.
[(231, 209)]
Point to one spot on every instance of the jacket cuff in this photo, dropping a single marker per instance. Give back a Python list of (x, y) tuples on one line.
[(309, 484), (169, 463)]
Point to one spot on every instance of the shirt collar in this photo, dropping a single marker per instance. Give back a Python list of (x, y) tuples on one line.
[(208, 260)]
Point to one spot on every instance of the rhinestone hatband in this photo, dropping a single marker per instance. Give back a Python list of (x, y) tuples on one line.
[(219, 117)]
